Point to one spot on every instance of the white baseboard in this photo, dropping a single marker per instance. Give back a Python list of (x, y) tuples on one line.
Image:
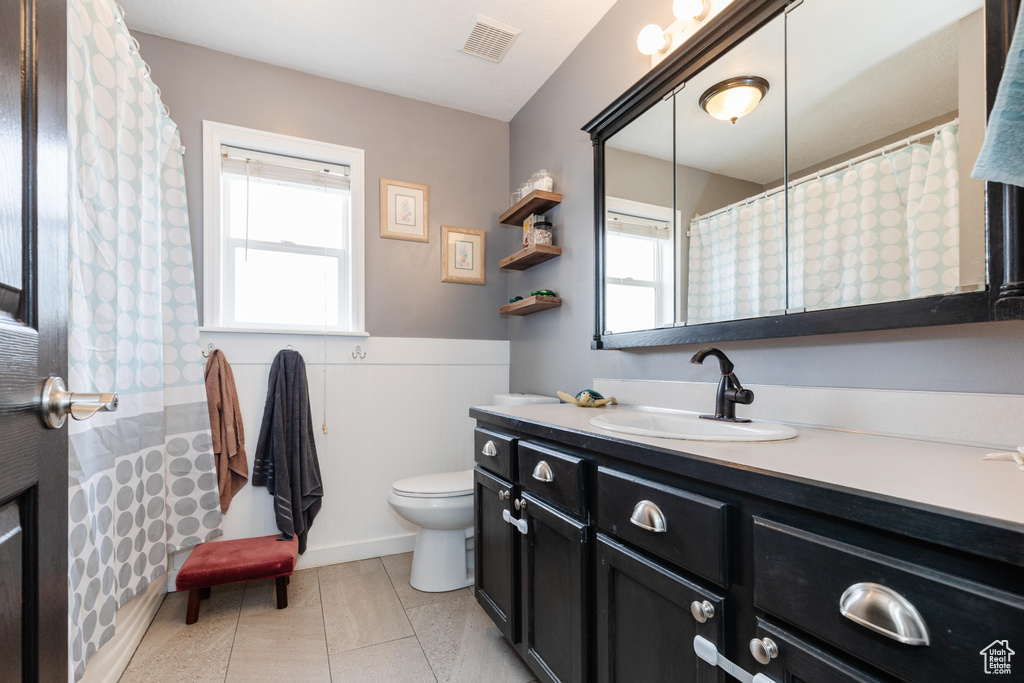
[(318, 557), (131, 622)]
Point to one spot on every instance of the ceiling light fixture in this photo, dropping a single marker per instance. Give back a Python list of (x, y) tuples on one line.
[(734, 98), (652, 39)]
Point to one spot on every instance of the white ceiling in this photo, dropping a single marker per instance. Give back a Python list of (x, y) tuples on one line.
[(858, 72), (405, 47)]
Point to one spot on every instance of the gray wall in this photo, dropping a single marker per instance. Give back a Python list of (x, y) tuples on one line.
[(462, 157), (551, 350)]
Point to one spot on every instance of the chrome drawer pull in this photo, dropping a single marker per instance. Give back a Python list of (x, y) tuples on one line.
[(521, 524), (884, 611), (764, 650), (490, 450), (702, 611), (647, 515), (542, 472)]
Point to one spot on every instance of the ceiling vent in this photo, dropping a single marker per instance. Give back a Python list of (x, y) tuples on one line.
[(489, 38)]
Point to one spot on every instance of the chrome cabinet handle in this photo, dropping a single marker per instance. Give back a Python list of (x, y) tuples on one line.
[(520, 524), (520, 504), (884, 611), (764, 650), (647, 515), (702, 611), (490, 450), (56, 403), (504, 495), (542, 472)]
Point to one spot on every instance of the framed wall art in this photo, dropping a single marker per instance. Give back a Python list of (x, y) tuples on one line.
[(462, 255), (404, 211)]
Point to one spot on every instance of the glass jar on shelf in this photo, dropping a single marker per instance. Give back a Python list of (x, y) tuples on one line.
[(543, 180)]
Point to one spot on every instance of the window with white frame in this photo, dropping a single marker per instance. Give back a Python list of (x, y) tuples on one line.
[(283, 232), (639, 291)]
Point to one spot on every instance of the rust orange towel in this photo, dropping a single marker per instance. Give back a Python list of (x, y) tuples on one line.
[(226, 425)]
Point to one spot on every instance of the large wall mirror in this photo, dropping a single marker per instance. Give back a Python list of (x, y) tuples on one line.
[(802, 168)]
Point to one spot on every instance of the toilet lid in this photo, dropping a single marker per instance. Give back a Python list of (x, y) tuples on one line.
[(436, 485)]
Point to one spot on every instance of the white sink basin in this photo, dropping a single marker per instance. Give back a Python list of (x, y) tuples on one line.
[(672, 425)]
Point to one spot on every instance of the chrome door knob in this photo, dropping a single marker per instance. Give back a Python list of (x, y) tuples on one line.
[(702, 611), (520, 504), (490, 450), (504, 495), (56, 403), (764, 650)]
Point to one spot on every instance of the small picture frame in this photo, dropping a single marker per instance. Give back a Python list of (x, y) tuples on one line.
[(463, 255), (404, 211)]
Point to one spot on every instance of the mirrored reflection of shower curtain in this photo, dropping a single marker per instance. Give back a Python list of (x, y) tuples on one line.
[(737, 265), (141, 480), (884, 229)]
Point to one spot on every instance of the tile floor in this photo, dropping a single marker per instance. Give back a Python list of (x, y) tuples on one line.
[(359, 622)]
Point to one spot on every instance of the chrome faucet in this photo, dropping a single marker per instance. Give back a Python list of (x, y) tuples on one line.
[(730, 392)]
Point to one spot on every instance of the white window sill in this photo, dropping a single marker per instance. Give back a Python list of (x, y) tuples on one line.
[(267, 330)]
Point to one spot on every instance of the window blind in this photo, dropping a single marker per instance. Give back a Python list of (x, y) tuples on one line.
[(278, 168), (637, 227)]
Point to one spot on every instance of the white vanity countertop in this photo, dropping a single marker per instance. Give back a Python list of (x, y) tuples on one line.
[(934, 474)]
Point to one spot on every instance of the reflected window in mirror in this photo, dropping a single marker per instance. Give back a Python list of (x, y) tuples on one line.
[(640, 227)]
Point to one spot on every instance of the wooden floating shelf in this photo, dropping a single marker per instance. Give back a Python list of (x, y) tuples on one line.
[(537, 201), (531, 304), (530, 257)]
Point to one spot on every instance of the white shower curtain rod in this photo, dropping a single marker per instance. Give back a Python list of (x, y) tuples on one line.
[(881, 151)]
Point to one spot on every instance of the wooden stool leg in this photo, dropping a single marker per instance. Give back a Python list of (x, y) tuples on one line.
[(192, 614), (204, 593), (282, 592)]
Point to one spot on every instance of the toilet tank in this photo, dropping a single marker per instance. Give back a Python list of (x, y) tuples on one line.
[(522, 399)]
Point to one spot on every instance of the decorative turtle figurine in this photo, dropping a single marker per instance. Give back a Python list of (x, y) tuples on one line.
[(543, 292), (515, 299), (588, 398)]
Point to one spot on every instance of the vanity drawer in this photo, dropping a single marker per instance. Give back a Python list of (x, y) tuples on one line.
[(495, 452), (802, 578), (554, 476), (692, 528)]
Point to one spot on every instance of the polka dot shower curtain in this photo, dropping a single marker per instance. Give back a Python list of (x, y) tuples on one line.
[(141, 480), (879, 230), (884, 229)]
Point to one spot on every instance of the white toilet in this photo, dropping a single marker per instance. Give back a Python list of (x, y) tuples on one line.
[(442, 506)]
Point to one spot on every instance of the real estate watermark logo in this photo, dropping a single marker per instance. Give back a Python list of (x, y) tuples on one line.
[(997, 656)]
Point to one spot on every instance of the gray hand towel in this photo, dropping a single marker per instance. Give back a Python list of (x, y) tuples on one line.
[(286, 461)]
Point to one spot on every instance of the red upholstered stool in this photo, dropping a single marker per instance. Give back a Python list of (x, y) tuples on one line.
[(244, 559)]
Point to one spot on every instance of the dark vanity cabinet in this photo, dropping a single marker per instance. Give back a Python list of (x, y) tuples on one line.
[(606, 560)]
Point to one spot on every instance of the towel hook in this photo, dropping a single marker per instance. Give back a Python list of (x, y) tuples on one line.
[(358, 353), (289, 347), (208, 352)]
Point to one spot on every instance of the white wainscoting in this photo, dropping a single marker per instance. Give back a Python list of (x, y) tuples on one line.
[(401, 411)]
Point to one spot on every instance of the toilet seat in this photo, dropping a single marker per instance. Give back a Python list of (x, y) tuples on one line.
[(443, 485)]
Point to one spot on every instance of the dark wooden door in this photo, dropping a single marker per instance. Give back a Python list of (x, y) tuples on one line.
[(645, 627), (495, 553), (555, 590), (33, 312)]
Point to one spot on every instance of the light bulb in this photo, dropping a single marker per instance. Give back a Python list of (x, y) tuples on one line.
[(690, 9), (651, 39)]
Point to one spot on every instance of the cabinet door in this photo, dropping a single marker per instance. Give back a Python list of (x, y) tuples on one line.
[(495, 553), (554, 555), (645, 627), (800, 661)]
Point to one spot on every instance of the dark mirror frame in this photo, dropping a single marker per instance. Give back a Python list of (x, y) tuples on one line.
[(1004, 204)]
